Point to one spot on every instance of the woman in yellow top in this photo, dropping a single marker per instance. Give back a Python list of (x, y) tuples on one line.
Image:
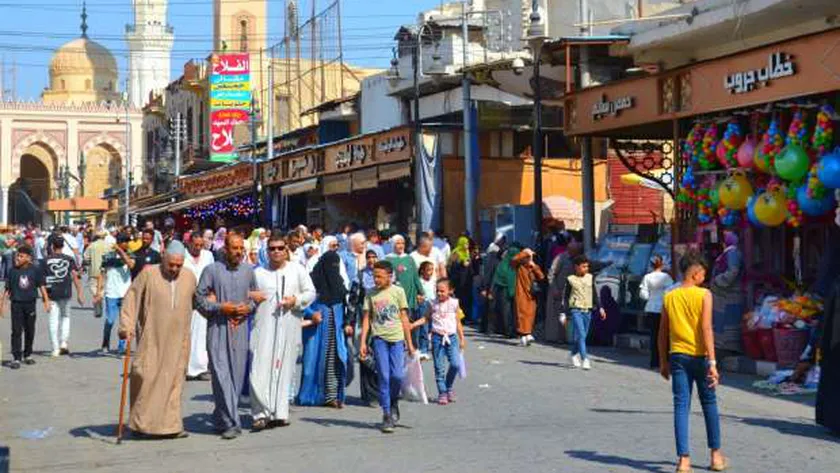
[(687, 357)]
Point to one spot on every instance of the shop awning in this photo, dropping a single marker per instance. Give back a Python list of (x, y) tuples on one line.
[(337, 184), (365, 179), (392, 172), (153, 209), (570, 211), (299, 187), (632, 179), (207, 198), (78, 204)]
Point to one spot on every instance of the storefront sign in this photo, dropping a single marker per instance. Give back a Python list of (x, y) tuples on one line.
[(225, 179), (392, 144), (605, 108), (307, 165), (779, 64), (352, 154), (230, 102)]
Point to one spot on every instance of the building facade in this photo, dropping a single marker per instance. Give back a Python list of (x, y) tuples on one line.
[(150, 40)]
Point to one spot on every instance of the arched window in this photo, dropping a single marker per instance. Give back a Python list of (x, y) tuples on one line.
[(243, 35)]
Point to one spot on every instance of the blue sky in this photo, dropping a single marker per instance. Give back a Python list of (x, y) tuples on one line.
[(30, 30)]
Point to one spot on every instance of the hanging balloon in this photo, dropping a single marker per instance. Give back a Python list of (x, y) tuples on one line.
[(746, 153), (771, 208), (729, 218), (815, 207), (707, 158), (751, 212), (735, 191), (727, 149), (771, 144), (795, 214), (823, 130), (793, 162), (798, 130), (828, 169), (707, 199)]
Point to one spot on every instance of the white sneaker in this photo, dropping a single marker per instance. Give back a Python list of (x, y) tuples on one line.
[(424, 356), (575, 361), (529, 339), (55, 353), (586, 364), (523, 341)]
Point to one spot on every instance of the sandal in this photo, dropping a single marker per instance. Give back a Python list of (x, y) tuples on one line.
[(722, 466), (259, 424)]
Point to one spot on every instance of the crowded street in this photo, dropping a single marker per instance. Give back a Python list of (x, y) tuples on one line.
[(520, 409)]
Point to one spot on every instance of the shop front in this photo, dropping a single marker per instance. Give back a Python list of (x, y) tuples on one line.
[(219, 198), (365, 180), (753, 170)]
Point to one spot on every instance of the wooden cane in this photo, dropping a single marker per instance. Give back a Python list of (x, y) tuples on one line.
[(126, 367)]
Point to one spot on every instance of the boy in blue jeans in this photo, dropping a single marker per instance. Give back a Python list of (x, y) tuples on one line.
[(385, 319), (580, 300)]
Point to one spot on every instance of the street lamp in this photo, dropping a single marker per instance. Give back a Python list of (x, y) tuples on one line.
[(536, 39)]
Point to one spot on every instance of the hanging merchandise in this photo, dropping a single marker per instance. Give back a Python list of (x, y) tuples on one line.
[(812, 206), (707, 201), (746, 152), (823, 136), (727, 148), (828, 169), (792, 163), (729, 218), (735, 191), (771, 144), (751, 212), (707, 158), (798, 130), (795, 214), (688, 195), (239, 207), (771, 206)]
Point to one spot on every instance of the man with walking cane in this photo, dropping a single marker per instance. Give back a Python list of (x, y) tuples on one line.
[(159, 302), (284, 289)]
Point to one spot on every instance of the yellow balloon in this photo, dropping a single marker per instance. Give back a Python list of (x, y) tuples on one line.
[(771, 208), (735, 191)]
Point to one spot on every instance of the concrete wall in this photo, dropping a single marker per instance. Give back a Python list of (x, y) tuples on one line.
[(379, 110)]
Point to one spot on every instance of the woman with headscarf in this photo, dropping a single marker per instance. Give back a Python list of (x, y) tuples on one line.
[(405, 271), (219, 244), (326, 362), (460, 274), (528, 273), (208, 239), (253, 245), (728, 306), (504, 289), (488, 272)]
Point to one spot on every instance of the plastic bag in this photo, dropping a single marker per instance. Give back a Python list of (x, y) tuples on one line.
[(462, 366), (413, 388)]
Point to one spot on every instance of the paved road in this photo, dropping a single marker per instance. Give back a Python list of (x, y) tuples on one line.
[(519, 410)]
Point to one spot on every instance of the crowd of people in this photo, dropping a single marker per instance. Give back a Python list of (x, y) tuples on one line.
[(296, 316)]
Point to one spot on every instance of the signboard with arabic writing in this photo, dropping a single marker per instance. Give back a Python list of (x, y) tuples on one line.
[(778, 65), (230, 102), (605, 107)]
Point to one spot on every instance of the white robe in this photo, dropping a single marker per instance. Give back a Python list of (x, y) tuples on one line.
[(199, 362), (276, 339)]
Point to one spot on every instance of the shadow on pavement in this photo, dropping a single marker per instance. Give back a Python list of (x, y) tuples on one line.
[(200, 423), (545, 363), (203, 398), (636, 465), (106, 433), (341, 423)]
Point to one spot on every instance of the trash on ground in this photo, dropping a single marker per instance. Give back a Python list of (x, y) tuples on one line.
[(484, 386), (36, 434)]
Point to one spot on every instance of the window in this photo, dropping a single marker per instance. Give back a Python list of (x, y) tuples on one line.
[(243, 35), (189, 125)]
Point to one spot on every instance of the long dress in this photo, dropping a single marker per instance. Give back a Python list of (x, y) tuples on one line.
[(227, 345), (199, 361), (162, 309), (525, 302), (828, 394), (276, 339)]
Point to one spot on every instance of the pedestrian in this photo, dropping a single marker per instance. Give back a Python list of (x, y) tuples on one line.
[(374, 239), (504, 289), (159, 306), (460, 273), (687, 357), (407, 273), (368, 378), (492, 258), (157, 238), (385, 319), (652, 289), (528, 279), (285, 289), (325, 357), (59, 270), (428, 289), (580, 299), (197, 259), (827, 407), (146, 254), (561, 268), (447, 340), (112, 288), (22, 287), (223, 297), (93, 256)]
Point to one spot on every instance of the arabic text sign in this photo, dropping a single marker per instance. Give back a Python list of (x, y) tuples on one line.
[(778, 65), (230, 102), (604, 107)]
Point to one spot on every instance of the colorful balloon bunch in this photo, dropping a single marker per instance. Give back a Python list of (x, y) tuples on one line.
[(706, 159), (795, 216), (729, 218), (727, 148), (687, 196), (770, 146), (823, 135), (797, 131), (707, 201), (814, 188)]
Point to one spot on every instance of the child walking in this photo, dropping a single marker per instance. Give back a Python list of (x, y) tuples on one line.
[(580, 300), (385, 319), (446, 326), (428, 289), (25, 281), (687, 357)]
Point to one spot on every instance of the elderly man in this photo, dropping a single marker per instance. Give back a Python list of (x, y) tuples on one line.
[(224, 298), (160, 303), (354, 257), (196, 261)]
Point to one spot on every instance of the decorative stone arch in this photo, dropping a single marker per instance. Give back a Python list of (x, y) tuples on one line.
[(104, 158), (105, 139), (55, 149)]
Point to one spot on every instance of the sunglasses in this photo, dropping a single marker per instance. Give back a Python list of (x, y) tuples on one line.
[(276, 248)]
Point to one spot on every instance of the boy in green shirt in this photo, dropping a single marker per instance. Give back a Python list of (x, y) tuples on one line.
[(385, 317)]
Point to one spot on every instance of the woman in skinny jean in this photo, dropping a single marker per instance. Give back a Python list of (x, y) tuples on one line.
[(687, 357)]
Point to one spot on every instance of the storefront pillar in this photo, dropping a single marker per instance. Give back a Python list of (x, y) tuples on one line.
[(588, 186)]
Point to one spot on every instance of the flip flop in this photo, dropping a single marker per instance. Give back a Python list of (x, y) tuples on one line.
[(722, 466)]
